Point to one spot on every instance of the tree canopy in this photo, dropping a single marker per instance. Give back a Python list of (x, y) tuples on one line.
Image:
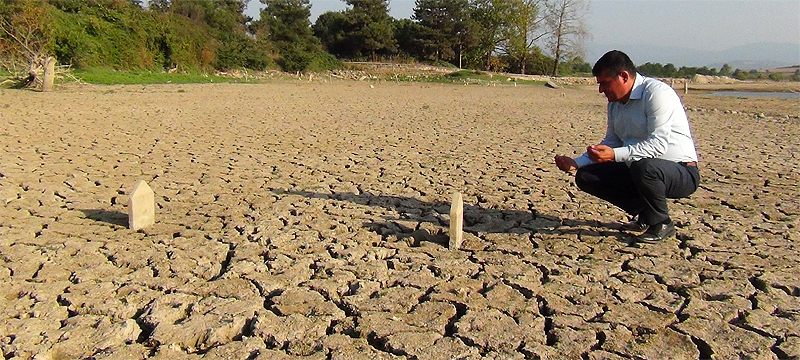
[(522, 36)]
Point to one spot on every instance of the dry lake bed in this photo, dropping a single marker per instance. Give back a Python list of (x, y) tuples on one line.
[(310, 219)]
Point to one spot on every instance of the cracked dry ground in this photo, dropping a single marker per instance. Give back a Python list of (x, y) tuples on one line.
[(309, 220)]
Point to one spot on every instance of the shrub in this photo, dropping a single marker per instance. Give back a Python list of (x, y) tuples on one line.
[(775, 76), (324, 61)]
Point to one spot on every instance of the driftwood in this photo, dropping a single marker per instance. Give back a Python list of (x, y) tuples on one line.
[(23, 51)]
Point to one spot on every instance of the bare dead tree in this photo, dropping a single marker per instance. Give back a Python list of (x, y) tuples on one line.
[(565, 20), (24, 39)]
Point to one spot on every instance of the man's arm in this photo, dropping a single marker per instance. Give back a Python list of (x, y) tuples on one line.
[(661, 108)]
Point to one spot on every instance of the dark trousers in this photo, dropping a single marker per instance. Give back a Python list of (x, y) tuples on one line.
[(642, 188)]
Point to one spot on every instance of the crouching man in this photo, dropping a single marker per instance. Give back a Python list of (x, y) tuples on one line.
[(647, 155)]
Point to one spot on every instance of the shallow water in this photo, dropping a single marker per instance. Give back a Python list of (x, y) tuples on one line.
[(758, 94)]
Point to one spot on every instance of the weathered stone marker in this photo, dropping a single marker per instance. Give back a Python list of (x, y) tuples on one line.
[(49, 74), (141, 207), (456, 221), (686, 86)]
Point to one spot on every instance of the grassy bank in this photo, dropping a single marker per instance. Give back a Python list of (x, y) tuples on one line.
[(113, 77)]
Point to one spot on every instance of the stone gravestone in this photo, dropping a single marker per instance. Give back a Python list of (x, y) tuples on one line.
[(456, 221), (141, 207), (49, 74)]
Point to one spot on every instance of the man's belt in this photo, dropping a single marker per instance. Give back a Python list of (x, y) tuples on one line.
[(690, 164)]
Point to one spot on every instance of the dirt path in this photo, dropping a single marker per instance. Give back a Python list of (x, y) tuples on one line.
[(298, 219)]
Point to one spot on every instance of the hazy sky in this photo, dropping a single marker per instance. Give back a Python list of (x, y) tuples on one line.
[(690, 24)]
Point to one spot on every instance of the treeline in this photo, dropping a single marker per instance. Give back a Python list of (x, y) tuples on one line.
[(186, 35), (523, 36), (670, 71)]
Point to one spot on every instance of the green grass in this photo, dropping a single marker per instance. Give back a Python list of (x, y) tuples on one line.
[(468, 77), (112, 77)]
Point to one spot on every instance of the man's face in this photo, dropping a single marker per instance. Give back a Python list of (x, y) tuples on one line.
[(615, 86)]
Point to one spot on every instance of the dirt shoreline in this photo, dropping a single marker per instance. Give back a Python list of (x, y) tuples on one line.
[(309, 219)]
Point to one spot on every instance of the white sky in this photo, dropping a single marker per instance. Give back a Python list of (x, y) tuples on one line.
[(700, 25)]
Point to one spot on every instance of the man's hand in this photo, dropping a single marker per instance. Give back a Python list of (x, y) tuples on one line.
[(566, 163), (600, 153)]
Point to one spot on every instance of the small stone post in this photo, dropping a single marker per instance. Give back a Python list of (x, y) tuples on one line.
[(685, 86), (141, 207), (49, 74), (456, 221)]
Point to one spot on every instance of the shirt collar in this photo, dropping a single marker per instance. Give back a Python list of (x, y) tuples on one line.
[(638, 87)]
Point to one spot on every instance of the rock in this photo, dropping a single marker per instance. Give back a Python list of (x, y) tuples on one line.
[(183, 321), (456, 221), (725, 340), (551, 85), (492, 330), (651, 343), (791, 347), (299, 334), (141, 207)]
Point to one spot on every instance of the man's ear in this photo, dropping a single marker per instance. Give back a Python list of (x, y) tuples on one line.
[(625, 75)]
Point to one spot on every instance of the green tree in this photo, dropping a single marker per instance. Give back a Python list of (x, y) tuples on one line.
[(331, 28), (290, 31), (725, 70), (227, 22), (522, 32), (670, 71), (409, 36), (447, 29), (491, 18), (370, 27), (575, 65), (740, 74)]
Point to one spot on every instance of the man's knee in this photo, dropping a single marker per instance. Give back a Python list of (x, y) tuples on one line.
[(582, 179)]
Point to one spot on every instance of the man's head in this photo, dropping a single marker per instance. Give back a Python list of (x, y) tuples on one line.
[(615, 74)]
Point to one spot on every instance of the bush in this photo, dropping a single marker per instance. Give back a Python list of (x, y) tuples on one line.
[(775, 76), (324, 61)]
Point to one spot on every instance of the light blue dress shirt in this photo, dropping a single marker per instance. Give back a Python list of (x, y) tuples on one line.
[(652, 124)]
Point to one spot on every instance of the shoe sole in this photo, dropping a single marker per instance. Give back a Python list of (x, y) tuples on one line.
[(672, 233)]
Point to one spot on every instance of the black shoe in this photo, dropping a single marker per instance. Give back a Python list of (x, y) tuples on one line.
[(658, 232), (634, 225)]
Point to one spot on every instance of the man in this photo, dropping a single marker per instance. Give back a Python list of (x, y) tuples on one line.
[(647, 154)]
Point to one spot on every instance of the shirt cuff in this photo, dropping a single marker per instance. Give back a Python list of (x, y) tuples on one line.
[(621, 154), (583, 160)]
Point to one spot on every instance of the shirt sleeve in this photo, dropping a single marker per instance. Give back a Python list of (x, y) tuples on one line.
[(611, 139), (660, 109)]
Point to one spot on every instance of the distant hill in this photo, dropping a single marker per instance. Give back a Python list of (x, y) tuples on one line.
[(751, 56), (784, 69)]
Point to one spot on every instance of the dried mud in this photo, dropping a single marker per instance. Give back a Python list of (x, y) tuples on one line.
[(310, 220)]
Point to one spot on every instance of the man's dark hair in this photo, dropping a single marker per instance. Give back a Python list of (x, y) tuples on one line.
[(613, 62)]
